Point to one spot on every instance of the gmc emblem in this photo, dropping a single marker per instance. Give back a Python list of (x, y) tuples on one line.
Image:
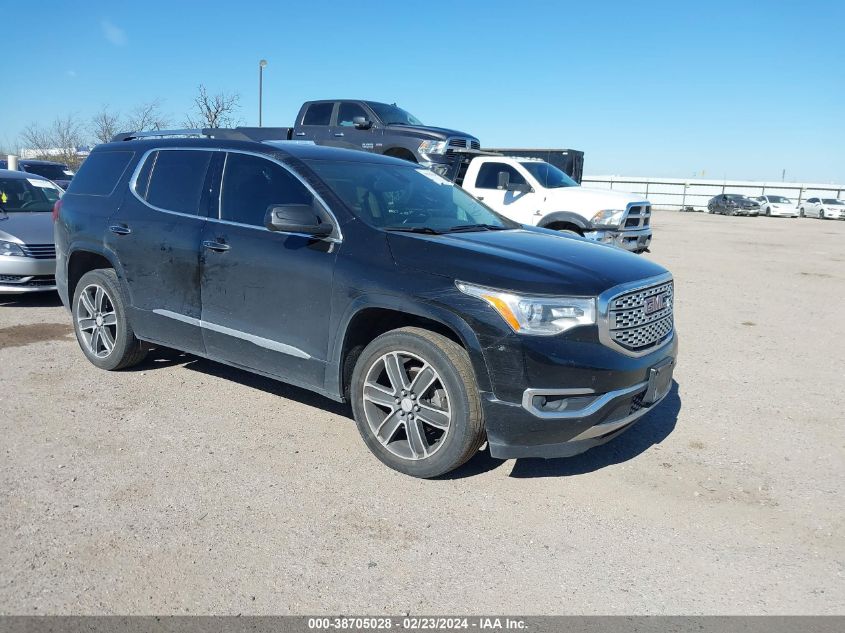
[(654, 304)]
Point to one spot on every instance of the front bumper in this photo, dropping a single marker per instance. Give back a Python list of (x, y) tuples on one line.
[(636, 241), (586, 417), (26, 274)]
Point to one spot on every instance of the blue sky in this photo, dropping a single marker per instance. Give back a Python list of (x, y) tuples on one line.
[(727, 89)]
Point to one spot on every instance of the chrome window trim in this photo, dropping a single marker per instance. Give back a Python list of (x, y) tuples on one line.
[(603, 316), (134, 179)]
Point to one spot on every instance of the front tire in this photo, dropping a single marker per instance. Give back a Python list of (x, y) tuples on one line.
[(821, 214), (416, 402), (801, 212), (99, 321)]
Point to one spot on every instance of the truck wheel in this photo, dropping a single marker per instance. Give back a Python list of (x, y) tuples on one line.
[(100, 323), (416, 402)]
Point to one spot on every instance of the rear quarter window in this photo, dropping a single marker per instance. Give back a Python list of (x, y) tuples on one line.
[(100, 173)]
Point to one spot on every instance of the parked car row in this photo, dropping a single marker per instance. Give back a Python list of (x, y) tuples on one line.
[(771, 205), (59, 173)]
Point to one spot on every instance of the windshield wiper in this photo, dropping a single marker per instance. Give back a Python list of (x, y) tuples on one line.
[(414, 229), (477, 227)]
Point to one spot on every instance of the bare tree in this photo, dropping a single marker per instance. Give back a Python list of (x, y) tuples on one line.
[(105, 124), (217, 110), (147, 116), (58, 141)]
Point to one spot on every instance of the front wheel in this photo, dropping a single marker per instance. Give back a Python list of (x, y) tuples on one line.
[(821, 214), (100, 323), (801, 212), (416, 402), (768, 211)]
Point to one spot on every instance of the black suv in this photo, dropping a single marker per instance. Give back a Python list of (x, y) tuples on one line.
[(370, 280)]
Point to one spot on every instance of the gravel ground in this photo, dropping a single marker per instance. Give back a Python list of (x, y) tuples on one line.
[(185, 486)]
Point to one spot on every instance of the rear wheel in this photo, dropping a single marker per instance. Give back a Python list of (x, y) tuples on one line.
[(416, 402), (100, 323)]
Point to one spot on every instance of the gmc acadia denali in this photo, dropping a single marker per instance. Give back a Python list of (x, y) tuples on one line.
[(367, 279)]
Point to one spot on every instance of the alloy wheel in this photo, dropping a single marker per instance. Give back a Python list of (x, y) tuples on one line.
[(406, 405), (97, 321)]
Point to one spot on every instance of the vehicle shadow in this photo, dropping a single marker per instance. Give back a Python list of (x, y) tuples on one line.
[(652, 429), (31, 300), (161, 357)]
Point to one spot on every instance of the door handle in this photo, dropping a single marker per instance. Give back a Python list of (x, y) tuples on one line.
[(214, 245), (338, 133), (300, 134), (120, 229)]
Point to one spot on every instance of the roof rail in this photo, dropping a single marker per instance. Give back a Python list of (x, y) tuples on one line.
[(232, 134)]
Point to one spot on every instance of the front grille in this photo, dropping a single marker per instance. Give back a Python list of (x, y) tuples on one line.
[(462, 143), (639, 216), (39, 251), (28, 281), (631, 328)]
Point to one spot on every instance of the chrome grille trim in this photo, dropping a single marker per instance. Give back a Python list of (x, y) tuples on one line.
[(623, 324), (39, 251), (637, 216)]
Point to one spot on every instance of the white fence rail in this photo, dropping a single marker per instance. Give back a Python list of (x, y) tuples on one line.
[(677, 193)]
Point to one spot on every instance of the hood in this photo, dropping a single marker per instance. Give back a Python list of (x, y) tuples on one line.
[(27, 228), (436, 133), (524, 260), (584, 199)]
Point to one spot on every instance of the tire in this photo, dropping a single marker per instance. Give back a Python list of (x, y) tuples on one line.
[(451, 429), (768, 212), (99, 321), (821, 214), (801, 212)]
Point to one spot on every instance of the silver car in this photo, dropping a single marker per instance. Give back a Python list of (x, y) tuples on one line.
[(27, 252)]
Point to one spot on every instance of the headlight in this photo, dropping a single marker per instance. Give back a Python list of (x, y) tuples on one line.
[(433, 147), (11, 249), (609, 217), (537, 315)]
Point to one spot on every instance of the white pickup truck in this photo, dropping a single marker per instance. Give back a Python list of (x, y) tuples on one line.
[(532, 191)]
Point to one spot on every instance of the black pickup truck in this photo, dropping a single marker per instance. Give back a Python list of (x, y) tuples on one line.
[(382, 128)]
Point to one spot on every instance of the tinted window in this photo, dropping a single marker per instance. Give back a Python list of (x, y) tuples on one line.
[(100, 173), (404, 198), (27, 194), (831, 201), (488, 175), (177, 180), (318, 114), (393, 115), (548, 175), (813, 200), (347, 111), (251, 184)]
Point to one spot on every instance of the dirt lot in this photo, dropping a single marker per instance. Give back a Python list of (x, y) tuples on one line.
[(189, 487)]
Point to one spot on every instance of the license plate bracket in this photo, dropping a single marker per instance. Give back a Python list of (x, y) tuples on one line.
[(659, 381)]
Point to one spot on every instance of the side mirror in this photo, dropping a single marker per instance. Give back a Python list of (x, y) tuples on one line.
[(296, 218), (504, 180), (361, 123)]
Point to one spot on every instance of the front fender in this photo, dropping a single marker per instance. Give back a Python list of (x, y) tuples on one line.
[(419, 308), (566, 216)]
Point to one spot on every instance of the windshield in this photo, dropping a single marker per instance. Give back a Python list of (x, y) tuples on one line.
[(51, 171), (779, 200), (832, 201), (548, 175), (27, 194), (393, 115), (408, 198), (737, 197)]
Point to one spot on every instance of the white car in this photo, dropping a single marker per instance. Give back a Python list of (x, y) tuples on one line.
[(823, 208), (532, 191), (777, 205)]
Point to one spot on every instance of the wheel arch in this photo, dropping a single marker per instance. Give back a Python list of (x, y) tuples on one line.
[(397, 151), (83, 259), (369, 317), (562, 219)]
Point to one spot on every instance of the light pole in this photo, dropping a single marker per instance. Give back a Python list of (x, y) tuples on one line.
[(261, 65)]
